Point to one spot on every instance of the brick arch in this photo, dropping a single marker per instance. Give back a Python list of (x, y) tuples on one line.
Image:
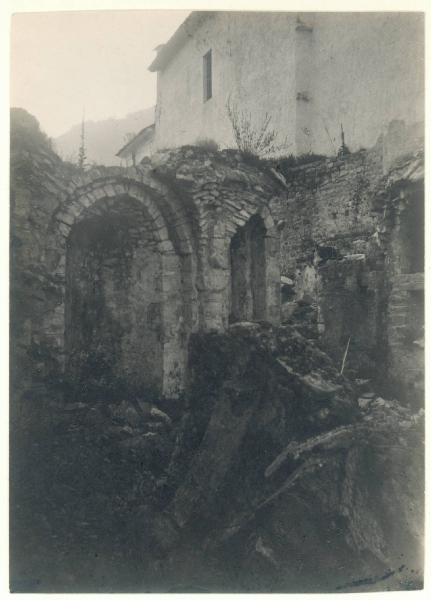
[(84, 200)]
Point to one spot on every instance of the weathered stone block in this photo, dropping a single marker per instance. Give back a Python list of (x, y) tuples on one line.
[(66, 218), (98, 193)]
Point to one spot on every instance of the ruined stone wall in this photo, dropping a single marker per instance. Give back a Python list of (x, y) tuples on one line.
[(404, 222), (347, 239), (117, 267), (37, 179), (329, 202), (333, 211), (124, 264), (273, 455)]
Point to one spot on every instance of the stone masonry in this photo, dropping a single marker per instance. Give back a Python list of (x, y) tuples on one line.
[(115, 268), (352, 245), (119, 266)]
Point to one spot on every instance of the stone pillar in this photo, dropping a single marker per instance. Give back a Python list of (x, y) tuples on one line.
[(272, 278), (216, 278), (174, 326)]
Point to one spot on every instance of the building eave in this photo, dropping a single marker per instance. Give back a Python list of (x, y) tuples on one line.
[(145, 134), (178, 39)]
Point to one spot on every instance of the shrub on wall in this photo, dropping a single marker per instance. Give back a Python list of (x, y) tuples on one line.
[(253, 140), (207, 144)]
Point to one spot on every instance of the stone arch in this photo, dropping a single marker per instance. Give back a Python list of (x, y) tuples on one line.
[(83, 199), (248, 267), (101, 205), (222, 224), (254, 293)]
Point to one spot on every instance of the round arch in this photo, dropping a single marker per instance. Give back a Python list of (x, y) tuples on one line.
[(254, 290), (169, 307)]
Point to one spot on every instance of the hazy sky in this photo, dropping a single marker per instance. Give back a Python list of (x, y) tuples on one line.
[(63, 61)]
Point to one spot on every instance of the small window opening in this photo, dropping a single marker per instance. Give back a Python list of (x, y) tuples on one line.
[(207, 73)]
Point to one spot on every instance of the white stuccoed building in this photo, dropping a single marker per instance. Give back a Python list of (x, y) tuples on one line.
[(309, 72), (137, 148)]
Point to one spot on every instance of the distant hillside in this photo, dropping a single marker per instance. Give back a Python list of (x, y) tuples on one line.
[(103, 138), (25, 132)]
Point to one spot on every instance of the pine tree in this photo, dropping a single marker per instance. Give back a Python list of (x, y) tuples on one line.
[(82, 156), (343, 148)]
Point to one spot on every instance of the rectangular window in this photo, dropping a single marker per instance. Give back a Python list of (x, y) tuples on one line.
[(207, 72)]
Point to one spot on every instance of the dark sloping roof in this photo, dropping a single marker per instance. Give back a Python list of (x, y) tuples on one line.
[(182, 34), (143, 136)]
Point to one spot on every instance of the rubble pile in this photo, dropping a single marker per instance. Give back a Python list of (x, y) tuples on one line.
[(275, 473), (279, 456)]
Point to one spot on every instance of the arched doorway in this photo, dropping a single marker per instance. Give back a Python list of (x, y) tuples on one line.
[(114, 324), (248, 272), (127, 314)]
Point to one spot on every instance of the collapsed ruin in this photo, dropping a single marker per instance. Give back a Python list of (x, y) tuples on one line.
[(120, 274), (124, 264)]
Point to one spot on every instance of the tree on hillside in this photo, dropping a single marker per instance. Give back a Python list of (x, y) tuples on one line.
[(82, 155)]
